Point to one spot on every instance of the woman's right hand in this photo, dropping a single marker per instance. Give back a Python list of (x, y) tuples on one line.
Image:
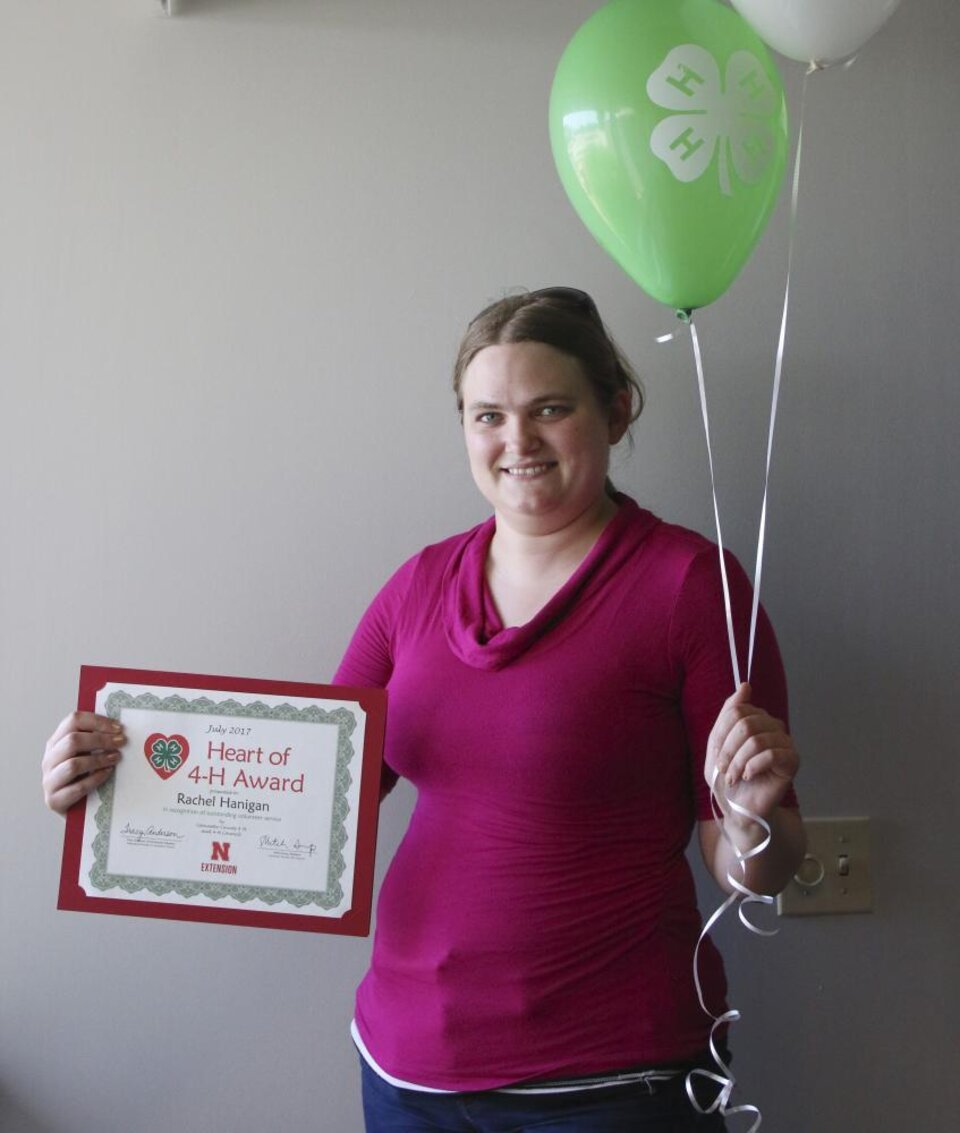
[(80, 755)]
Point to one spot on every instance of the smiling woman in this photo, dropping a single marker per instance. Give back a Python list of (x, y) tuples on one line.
[(557, 682), (543, 394), (537, 438)]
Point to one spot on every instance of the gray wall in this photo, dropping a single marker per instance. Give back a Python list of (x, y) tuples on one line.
[(236, 251)]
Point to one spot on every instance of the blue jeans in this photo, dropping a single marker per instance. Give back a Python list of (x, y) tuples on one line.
[(662, 1108)]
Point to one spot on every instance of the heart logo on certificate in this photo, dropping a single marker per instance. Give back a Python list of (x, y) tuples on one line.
[(166, 754)]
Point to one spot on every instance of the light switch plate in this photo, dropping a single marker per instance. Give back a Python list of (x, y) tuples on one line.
[(834, 877)]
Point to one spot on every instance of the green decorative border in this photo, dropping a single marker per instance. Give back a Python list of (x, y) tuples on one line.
[(330, 898)]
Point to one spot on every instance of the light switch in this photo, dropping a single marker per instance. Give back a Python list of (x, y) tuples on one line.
[(834, 877)]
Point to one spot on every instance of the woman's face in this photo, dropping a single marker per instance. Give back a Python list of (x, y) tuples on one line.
[(537, 438)]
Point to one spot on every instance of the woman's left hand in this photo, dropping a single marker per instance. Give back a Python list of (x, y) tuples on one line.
[(753, 754)]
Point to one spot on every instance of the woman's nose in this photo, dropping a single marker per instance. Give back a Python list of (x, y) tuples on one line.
[(522, 435)]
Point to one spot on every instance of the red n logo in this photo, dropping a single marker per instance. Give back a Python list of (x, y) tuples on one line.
[(220, 852)]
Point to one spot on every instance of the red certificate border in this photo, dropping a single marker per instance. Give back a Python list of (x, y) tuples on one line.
[(355, 922)]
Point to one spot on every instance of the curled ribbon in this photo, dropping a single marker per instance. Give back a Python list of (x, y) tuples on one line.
[(742, 895)]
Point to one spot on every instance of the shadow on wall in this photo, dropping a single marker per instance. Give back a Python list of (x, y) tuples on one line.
[(13, 1119)]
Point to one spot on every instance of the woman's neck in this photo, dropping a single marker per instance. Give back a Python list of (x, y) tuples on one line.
[(525, 568)]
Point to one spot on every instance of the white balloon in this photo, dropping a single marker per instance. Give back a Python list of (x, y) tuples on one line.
[(816, 31)]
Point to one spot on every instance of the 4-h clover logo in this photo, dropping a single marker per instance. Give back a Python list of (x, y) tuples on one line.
[(733, 119), (166, 754)]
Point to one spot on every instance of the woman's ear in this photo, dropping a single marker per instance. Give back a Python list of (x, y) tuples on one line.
[(620, 415)]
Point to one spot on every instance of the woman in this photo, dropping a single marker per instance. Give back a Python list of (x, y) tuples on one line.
[(557, 680)]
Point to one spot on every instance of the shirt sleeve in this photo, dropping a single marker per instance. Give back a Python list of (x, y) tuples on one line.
[(700, 652), (369, 659)]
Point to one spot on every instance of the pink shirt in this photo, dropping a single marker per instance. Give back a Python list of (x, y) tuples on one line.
[(539, 918)]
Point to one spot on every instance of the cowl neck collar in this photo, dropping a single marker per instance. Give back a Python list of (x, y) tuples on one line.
[(473, 628)]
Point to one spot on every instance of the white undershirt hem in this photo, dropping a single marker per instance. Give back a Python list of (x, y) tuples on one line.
[(381, 1073), (647, 1076)]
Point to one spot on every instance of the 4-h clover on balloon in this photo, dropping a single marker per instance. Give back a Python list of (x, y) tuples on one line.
[(738, 114), (649, 97)]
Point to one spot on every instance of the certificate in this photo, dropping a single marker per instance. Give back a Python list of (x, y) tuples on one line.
[(238, 801)]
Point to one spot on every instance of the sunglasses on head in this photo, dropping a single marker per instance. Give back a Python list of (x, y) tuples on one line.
[(572, 296)]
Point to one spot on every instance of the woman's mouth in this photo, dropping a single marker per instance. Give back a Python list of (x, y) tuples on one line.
[(527, 471)]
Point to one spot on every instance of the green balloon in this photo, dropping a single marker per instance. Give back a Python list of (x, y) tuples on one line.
[(668, 125)]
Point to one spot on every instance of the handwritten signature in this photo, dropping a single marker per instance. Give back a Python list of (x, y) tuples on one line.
[(307, 849), (138, 834)]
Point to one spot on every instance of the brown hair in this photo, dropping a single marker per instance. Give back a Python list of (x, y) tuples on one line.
[(567, 320)]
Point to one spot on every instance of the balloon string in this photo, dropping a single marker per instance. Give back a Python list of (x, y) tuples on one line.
[(716, 508), (741, 894), (774, 403), (777, 372)]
